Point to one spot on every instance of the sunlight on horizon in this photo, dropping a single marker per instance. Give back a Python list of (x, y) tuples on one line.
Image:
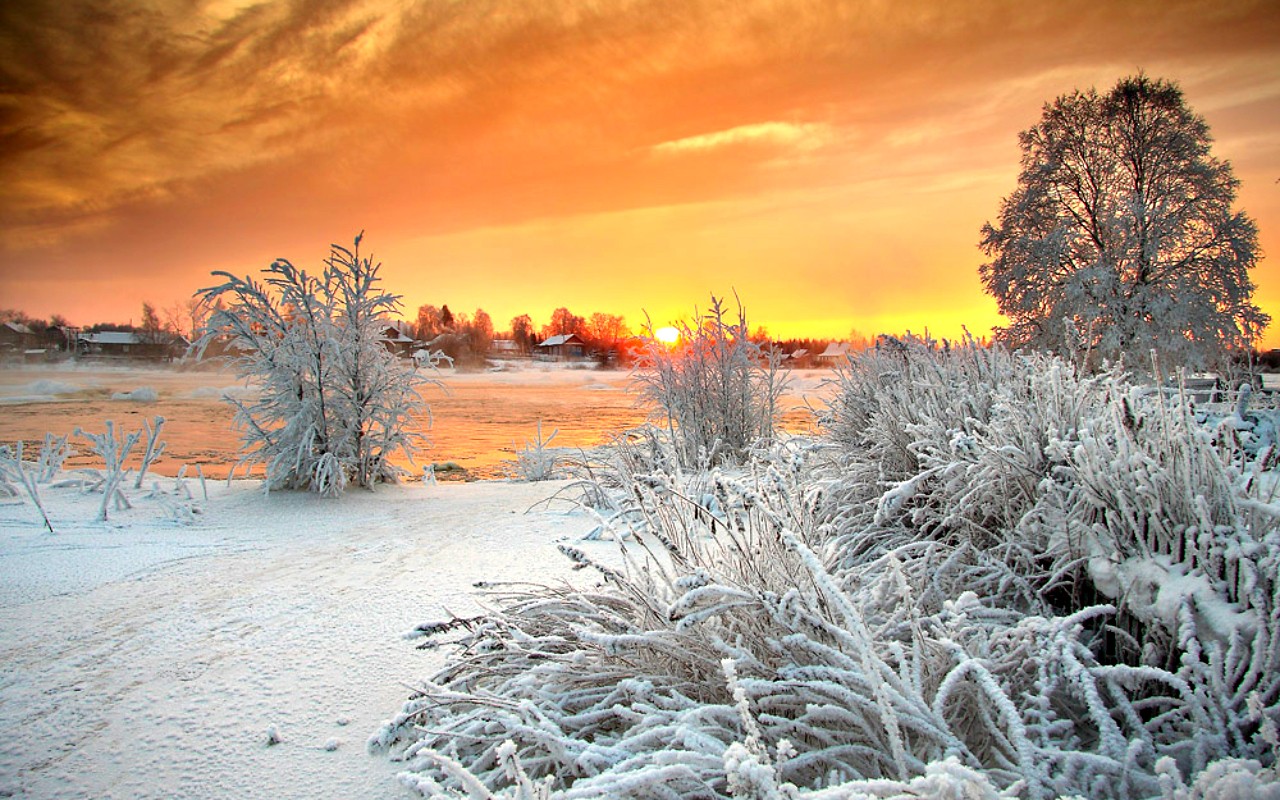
[(809, 155)]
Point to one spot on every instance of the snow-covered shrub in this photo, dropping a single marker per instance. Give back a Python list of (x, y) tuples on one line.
[(536, 461), (14, 469), (334, 403), (114, 452), (1022, 583), (717, 389), (1051, 492), (154, 448), (730, 659), (143, 394)]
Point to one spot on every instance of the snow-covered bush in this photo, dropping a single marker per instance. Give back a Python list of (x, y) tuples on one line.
[(15, 469), (335, 403), (143, 394), (997, 579), (717, 389), (114, 452), (536, 461)]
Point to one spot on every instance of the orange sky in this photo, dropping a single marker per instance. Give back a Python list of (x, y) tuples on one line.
[(832, 162)]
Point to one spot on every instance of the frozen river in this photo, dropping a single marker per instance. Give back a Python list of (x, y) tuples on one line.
[(477, 420)]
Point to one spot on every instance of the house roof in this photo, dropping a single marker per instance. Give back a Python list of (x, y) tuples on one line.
[(112, 337), (394, 334), (563, 338), (835, 350), (18, 327)]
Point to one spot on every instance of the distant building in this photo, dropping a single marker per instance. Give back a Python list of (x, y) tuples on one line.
[(505, 348), (565, 347), (398, 342), (835, 354), (130, 344), (16, 336), (800, 358)]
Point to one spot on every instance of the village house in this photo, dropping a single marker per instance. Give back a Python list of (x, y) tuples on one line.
[(15, 336), (836, 354), (398, 342), (130, 344), (800, 358), (564, 347), (505, 348), (18, 341)]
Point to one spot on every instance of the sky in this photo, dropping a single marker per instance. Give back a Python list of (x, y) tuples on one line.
[(830, 162)]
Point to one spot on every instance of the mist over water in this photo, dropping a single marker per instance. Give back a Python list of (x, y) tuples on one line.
[(477, 420)]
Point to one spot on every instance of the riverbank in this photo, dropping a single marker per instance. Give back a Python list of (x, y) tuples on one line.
[(144, 658)]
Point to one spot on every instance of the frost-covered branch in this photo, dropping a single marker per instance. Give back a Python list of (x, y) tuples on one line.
[(114, 453)]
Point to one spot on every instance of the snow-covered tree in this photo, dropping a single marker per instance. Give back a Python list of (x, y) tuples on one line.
[(335, 403), (1120, 237)]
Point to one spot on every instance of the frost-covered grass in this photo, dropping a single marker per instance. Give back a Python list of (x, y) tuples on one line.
[(994, 577), (717, 390), (536, 460)]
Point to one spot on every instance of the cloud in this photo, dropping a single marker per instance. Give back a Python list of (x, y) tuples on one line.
[(184, 133), (115, 100), (805, 136)]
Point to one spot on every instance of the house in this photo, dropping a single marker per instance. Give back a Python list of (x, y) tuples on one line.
[(836, 354), (130, 344), (398, 342), (800, 358), (505, 348), (15, 336), (564, 347)]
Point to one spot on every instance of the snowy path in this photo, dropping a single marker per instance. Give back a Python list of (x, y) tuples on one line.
[(149, 661)]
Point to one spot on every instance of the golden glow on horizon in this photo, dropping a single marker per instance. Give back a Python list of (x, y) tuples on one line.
[(808, 154), (668, 335)]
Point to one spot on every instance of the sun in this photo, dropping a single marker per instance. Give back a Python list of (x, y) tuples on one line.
[(667, 335)]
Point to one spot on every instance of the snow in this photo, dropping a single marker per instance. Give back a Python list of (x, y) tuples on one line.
[(143, 394), (148, 659)]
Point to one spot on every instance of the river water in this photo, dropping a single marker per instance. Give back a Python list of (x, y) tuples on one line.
[(476, 420)]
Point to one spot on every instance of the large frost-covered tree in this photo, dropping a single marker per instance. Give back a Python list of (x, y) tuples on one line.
[(1120, 237), (334, 402)]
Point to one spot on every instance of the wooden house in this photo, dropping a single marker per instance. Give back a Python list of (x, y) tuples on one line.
[(836, 354), (398, 342), (564, 347), (131, 344), (17, 337)]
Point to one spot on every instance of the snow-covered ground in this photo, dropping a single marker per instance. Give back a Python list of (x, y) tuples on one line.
[(142, 658)]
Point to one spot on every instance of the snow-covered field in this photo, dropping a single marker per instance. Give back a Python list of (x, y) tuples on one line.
[(145, 659)]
